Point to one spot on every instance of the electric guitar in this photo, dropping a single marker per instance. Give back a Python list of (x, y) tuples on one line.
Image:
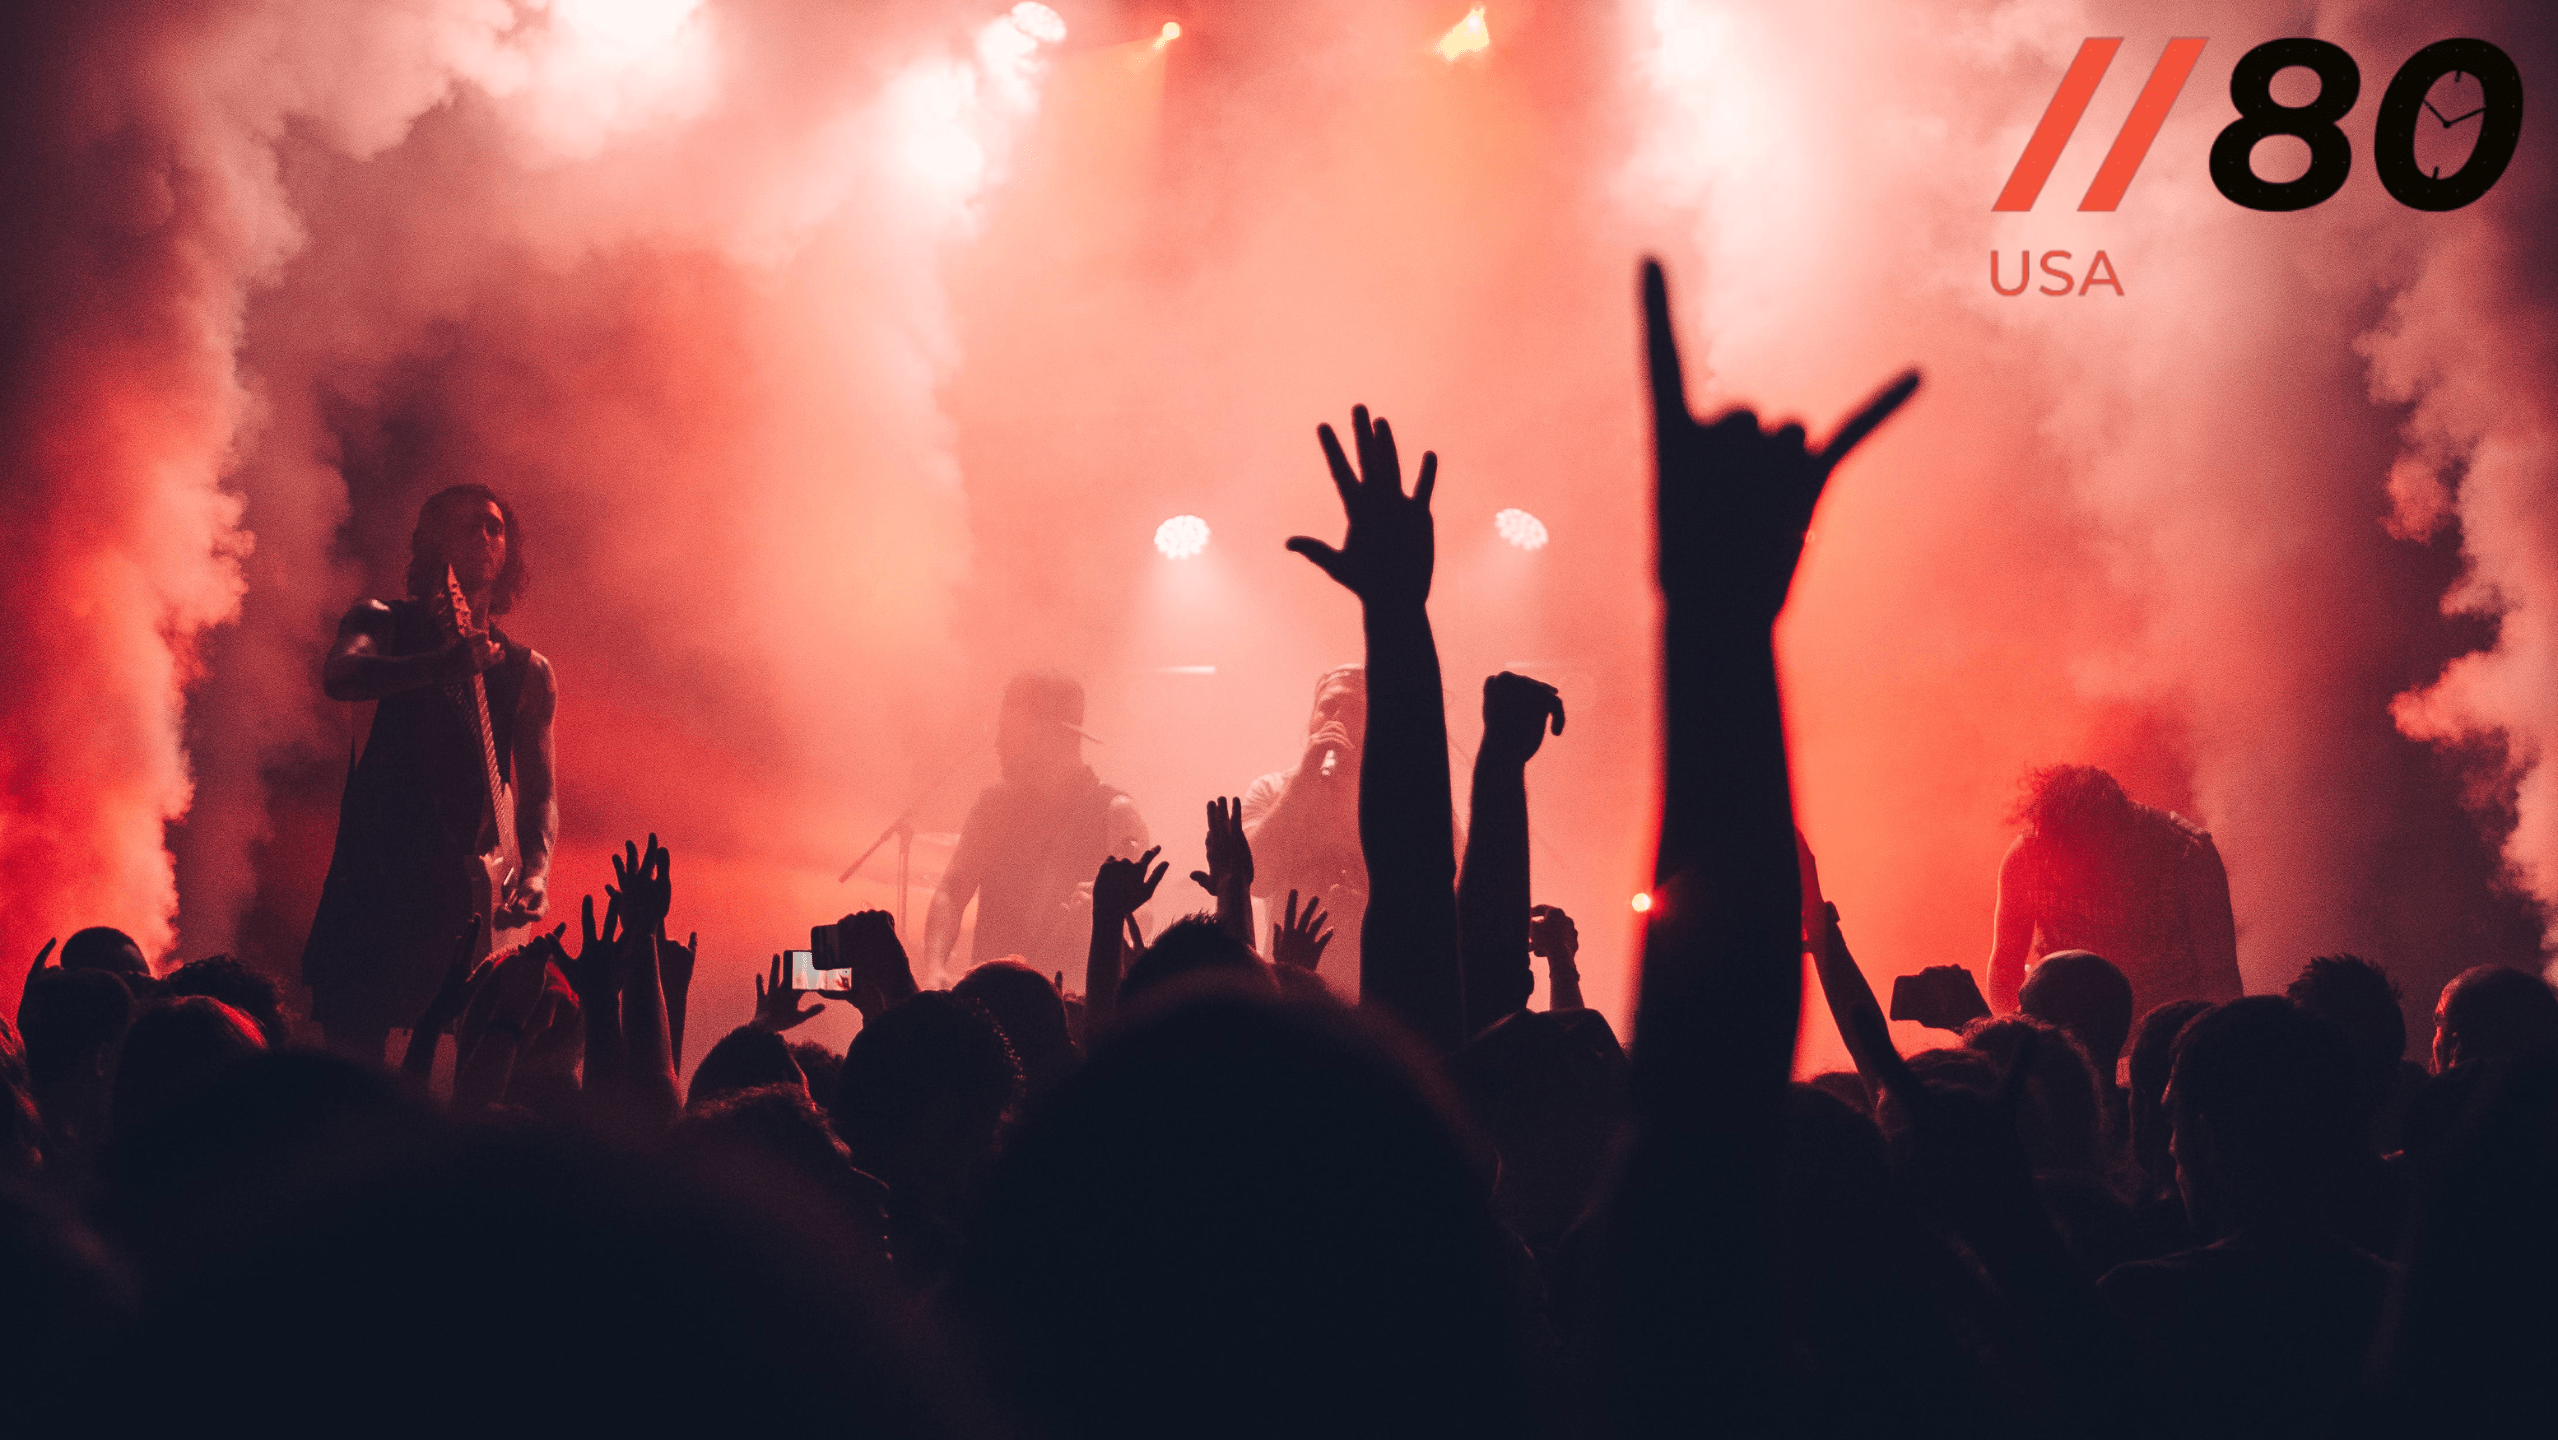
[(498, 866)]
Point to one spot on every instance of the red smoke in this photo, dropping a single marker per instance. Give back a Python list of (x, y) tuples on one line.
[(840, 360)]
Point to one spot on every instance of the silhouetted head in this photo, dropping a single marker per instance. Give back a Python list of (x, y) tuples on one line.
[(2492, 1013), (1039, 732), (1341, 697), (391, 1253), (1945, 1069), (1548, 1105), (778, 1129), (176, 1048), (2082, 992), (71, 1022), (67, 1324), (1846, 1087), (2262, 1098), (2064, 801), (2469, 1343), (1250, 1217), (2063, 1121), (822, 1066), (2361, 1001), (251, 992), (2153, 1059), (924, 1092), (103, 947), (1026, 1006), (473, 530), (1192, 945), (746, 1058)]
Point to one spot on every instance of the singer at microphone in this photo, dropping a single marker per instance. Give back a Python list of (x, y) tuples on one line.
[(1304, 821)]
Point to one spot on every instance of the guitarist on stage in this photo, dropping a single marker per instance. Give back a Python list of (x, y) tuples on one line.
[(408, 873)]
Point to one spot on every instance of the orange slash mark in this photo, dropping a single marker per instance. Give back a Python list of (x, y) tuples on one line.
[(2052, 135), (2131, 143)]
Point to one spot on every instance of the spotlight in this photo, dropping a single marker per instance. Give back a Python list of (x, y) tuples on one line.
[(1167, 35), (1642, 902), (1039, 22), (1521, 529), (1467, 37), (1181, 537)]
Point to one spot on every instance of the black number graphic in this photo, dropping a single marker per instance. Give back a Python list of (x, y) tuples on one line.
[(2331, 155), (2402, 106)]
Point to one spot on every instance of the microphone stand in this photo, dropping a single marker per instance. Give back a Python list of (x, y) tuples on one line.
[(902, 830)]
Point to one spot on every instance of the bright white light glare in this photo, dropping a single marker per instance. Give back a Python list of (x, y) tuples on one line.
[(628, 27), (1642, 902), (1167, 35), (1521, 529), (1467, 37), (1039, 22), (1181, 537)]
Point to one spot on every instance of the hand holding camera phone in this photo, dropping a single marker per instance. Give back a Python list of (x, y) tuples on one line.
[(1941, 997), (858, 958)]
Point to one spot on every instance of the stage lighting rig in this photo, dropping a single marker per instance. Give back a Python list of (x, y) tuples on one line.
[(1039, 22), (1469, 36), (1521, 529), (1181, 537)]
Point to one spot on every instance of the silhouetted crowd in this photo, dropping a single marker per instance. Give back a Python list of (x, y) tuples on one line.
[(1207, 1196)]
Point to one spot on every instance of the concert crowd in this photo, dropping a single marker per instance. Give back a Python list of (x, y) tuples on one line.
[(1213, 1189)]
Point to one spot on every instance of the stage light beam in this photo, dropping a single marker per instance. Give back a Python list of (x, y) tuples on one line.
[(1167, 35), (1181, 537), (1469, 36), (1521, 529)]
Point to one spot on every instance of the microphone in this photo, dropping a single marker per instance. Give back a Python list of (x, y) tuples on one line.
[(1331, 757)]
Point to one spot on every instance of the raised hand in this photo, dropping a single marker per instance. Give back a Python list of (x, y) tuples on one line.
[(1121, 888), (1299, 938), (777, 1003), (595, 972), (1387, 554), (1940, 997), (1229, 852), (1552, 934), (33, 970), (1516, 711), (882, 975), (675, 977), (641, 891), (1735, 499)]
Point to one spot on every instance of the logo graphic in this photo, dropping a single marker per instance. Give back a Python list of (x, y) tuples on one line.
[(2314, 123), (2131, 143)]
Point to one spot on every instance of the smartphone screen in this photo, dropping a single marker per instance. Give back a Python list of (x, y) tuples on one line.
[(801, 967)]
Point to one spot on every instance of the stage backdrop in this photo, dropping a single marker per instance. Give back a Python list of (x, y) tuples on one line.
[(842, 358)]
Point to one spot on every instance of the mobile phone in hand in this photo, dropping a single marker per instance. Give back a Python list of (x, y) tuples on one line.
[(1941, 997), (803, 973)]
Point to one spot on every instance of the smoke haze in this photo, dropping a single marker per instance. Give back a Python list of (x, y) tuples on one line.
[(840, 359)]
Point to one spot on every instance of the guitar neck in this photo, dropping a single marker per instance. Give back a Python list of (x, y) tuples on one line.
[(456, 615), (479, 713)]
